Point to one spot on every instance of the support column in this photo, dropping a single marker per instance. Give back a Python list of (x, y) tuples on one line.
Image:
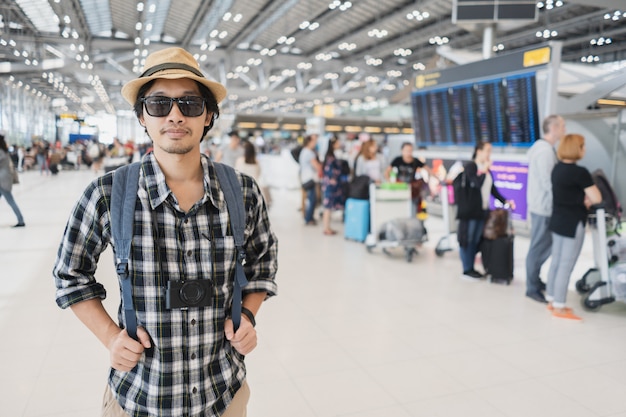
[(488, 34)]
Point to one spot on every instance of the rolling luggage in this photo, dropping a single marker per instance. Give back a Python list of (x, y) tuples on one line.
[(357, 219), (497, 257)]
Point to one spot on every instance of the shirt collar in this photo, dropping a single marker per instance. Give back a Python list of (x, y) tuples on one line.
[(158, 191)]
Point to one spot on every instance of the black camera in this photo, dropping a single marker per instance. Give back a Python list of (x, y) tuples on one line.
[(185, 294)]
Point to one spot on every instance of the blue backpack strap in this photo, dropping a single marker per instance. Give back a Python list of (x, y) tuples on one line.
[(123, 199), (231, 188)]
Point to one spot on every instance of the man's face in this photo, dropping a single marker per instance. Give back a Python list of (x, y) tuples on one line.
[(407, 153), (175, 133), (559, 128)]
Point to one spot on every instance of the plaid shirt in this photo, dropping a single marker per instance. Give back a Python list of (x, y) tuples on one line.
[(191, 369)]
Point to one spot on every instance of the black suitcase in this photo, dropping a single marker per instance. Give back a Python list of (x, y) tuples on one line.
[(497, 257)]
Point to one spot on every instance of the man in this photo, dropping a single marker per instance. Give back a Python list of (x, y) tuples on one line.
[(186, 361), (541, 160), (231, 151), (405, 167), (310, 168)]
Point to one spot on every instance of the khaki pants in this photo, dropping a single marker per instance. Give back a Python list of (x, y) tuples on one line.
[(237, 408)]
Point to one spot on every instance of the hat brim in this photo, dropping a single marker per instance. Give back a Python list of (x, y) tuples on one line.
[(131, 88)]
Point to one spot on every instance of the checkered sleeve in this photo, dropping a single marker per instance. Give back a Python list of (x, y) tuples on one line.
[(261, 243), (86, 236)]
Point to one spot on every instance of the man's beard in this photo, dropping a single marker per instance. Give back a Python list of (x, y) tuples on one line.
[(177, 148)]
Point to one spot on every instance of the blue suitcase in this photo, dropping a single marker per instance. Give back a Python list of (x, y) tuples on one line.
[(357, 219)]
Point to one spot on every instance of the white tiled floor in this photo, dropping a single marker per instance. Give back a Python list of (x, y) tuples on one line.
[(350, 334)]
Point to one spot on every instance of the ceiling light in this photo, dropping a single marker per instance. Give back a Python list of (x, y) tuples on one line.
[(417, 15), (377, 33)]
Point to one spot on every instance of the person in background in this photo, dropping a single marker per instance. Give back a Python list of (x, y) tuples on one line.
[(405, 167), (188, 360), (249, 165), (369, 162), (43, 157), (471, 225), (229, 152), (573, 192), (310, 168), (541, 160), (6, 181), (333, 189)]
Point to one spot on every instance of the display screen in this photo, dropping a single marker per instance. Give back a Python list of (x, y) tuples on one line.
[(502, 111)]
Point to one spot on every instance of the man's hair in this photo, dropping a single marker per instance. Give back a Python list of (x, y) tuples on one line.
[(209, 99), (405, 144), (548, 121), (571, 147)]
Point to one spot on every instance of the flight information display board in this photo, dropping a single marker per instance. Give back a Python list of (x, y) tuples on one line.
[(502, 111)]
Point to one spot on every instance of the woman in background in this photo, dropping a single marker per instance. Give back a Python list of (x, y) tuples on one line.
[(6, 181), (249, 165), (573, 192), (472, 214), (369, 162), (333, 180)]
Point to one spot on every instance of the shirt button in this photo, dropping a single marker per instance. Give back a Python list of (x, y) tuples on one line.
[(193, 322), (194, 390), (186, 221), (193, 356), (189, 253)]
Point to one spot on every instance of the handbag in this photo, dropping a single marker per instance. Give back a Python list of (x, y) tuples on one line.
[(14, 175), (359, 188), (497, 224), (308, 185)]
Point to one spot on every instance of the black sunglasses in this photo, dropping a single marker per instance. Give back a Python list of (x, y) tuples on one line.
[(161, 106)]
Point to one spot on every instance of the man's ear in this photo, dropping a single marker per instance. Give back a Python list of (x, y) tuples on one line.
[(208, 119)]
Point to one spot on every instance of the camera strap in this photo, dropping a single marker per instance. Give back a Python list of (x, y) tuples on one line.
[(231, 188), (123, 199)]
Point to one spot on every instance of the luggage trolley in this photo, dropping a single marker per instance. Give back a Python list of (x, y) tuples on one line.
[(392, 224), (606, 282), (448, 211)]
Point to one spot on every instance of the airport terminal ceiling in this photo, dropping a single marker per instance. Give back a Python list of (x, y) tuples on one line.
[(276, 57)]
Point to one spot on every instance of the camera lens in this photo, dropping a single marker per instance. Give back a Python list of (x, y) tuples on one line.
[(192, 293)]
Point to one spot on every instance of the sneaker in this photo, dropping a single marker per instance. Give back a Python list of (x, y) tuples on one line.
[(475, 272), (20, 225), (537, 296), (471, 275), (565, 313)]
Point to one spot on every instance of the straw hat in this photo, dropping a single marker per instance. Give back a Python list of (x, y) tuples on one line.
[(171, 63)]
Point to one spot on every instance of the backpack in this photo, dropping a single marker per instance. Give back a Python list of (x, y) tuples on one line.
[(467, 197), (295, 153), (123, 199)]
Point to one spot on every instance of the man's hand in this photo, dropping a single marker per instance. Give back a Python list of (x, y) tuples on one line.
[(245, 340), (125, 351)]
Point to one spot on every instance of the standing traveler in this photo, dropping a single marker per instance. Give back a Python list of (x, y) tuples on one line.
[(369, 162), (541, 160), (406, 168), (229, 152), (6, 181), (473, 213), (573, 192), (334, 180), (188, 359), (310, 169), (248, 164)]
